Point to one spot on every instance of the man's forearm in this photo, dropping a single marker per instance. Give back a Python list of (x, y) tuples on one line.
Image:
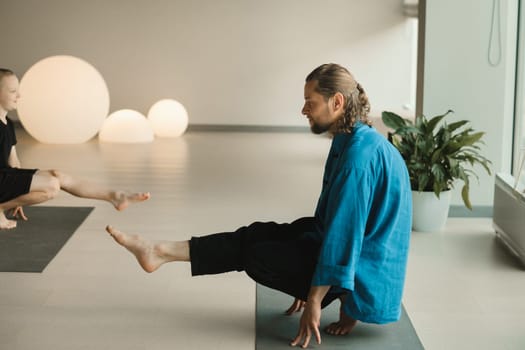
[(317, 293)]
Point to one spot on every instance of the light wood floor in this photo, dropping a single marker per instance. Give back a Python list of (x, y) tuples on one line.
[(463, 291)]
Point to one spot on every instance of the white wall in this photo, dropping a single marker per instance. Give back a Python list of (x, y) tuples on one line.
[(458, 76), (230, 61)]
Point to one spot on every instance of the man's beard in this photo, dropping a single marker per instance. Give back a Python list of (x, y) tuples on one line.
[(319, 129)]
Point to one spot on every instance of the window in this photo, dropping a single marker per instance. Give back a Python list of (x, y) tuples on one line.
[(518, 168)]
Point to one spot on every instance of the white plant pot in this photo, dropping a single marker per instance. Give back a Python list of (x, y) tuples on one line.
[(429, 213)]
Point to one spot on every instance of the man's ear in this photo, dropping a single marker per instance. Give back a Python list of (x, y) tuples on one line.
[(339, 102)]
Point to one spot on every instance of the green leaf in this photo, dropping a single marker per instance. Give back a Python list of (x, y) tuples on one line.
[(471, 138), (393, 120), (423, 182), (457, 125), (465, 196), (434, 121)]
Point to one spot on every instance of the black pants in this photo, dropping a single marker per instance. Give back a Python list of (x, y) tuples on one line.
[(279, 256), (15, 182)]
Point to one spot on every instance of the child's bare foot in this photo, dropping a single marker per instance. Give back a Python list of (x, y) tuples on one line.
[(146, 252), (5, 223), (121, 199)]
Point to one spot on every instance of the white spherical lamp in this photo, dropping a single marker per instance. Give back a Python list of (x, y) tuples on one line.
[(168, 118), (63, 100), (126, 126)]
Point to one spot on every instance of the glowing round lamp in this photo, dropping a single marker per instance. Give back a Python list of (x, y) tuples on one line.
[(168, 118), (64, 99), (126, 126)]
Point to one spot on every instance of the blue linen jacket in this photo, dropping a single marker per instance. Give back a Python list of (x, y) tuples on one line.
[(365, 213)]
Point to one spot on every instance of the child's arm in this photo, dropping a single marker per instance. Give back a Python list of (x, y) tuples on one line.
[(13, 160)]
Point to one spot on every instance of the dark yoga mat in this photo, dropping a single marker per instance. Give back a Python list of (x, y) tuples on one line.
[(34, 243), (275, 330)]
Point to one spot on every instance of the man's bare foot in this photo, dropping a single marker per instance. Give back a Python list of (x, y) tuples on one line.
[(121, 199), (5, 223), (343, 326), (147, 253)]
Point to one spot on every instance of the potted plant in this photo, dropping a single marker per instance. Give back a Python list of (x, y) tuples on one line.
[(437, 154)]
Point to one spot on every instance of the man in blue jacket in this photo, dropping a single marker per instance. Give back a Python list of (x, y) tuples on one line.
[(354, 249)]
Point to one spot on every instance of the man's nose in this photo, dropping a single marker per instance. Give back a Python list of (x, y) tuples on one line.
[(304, 111)]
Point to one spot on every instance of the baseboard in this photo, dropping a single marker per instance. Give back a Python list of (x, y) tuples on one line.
[(247, 128), (460, 211)]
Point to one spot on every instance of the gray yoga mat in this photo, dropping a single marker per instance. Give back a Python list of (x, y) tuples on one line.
[(275, 330), (34, 243)]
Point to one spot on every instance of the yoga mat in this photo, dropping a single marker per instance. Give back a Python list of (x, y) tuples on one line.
[(34, 243), (275, 330)]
